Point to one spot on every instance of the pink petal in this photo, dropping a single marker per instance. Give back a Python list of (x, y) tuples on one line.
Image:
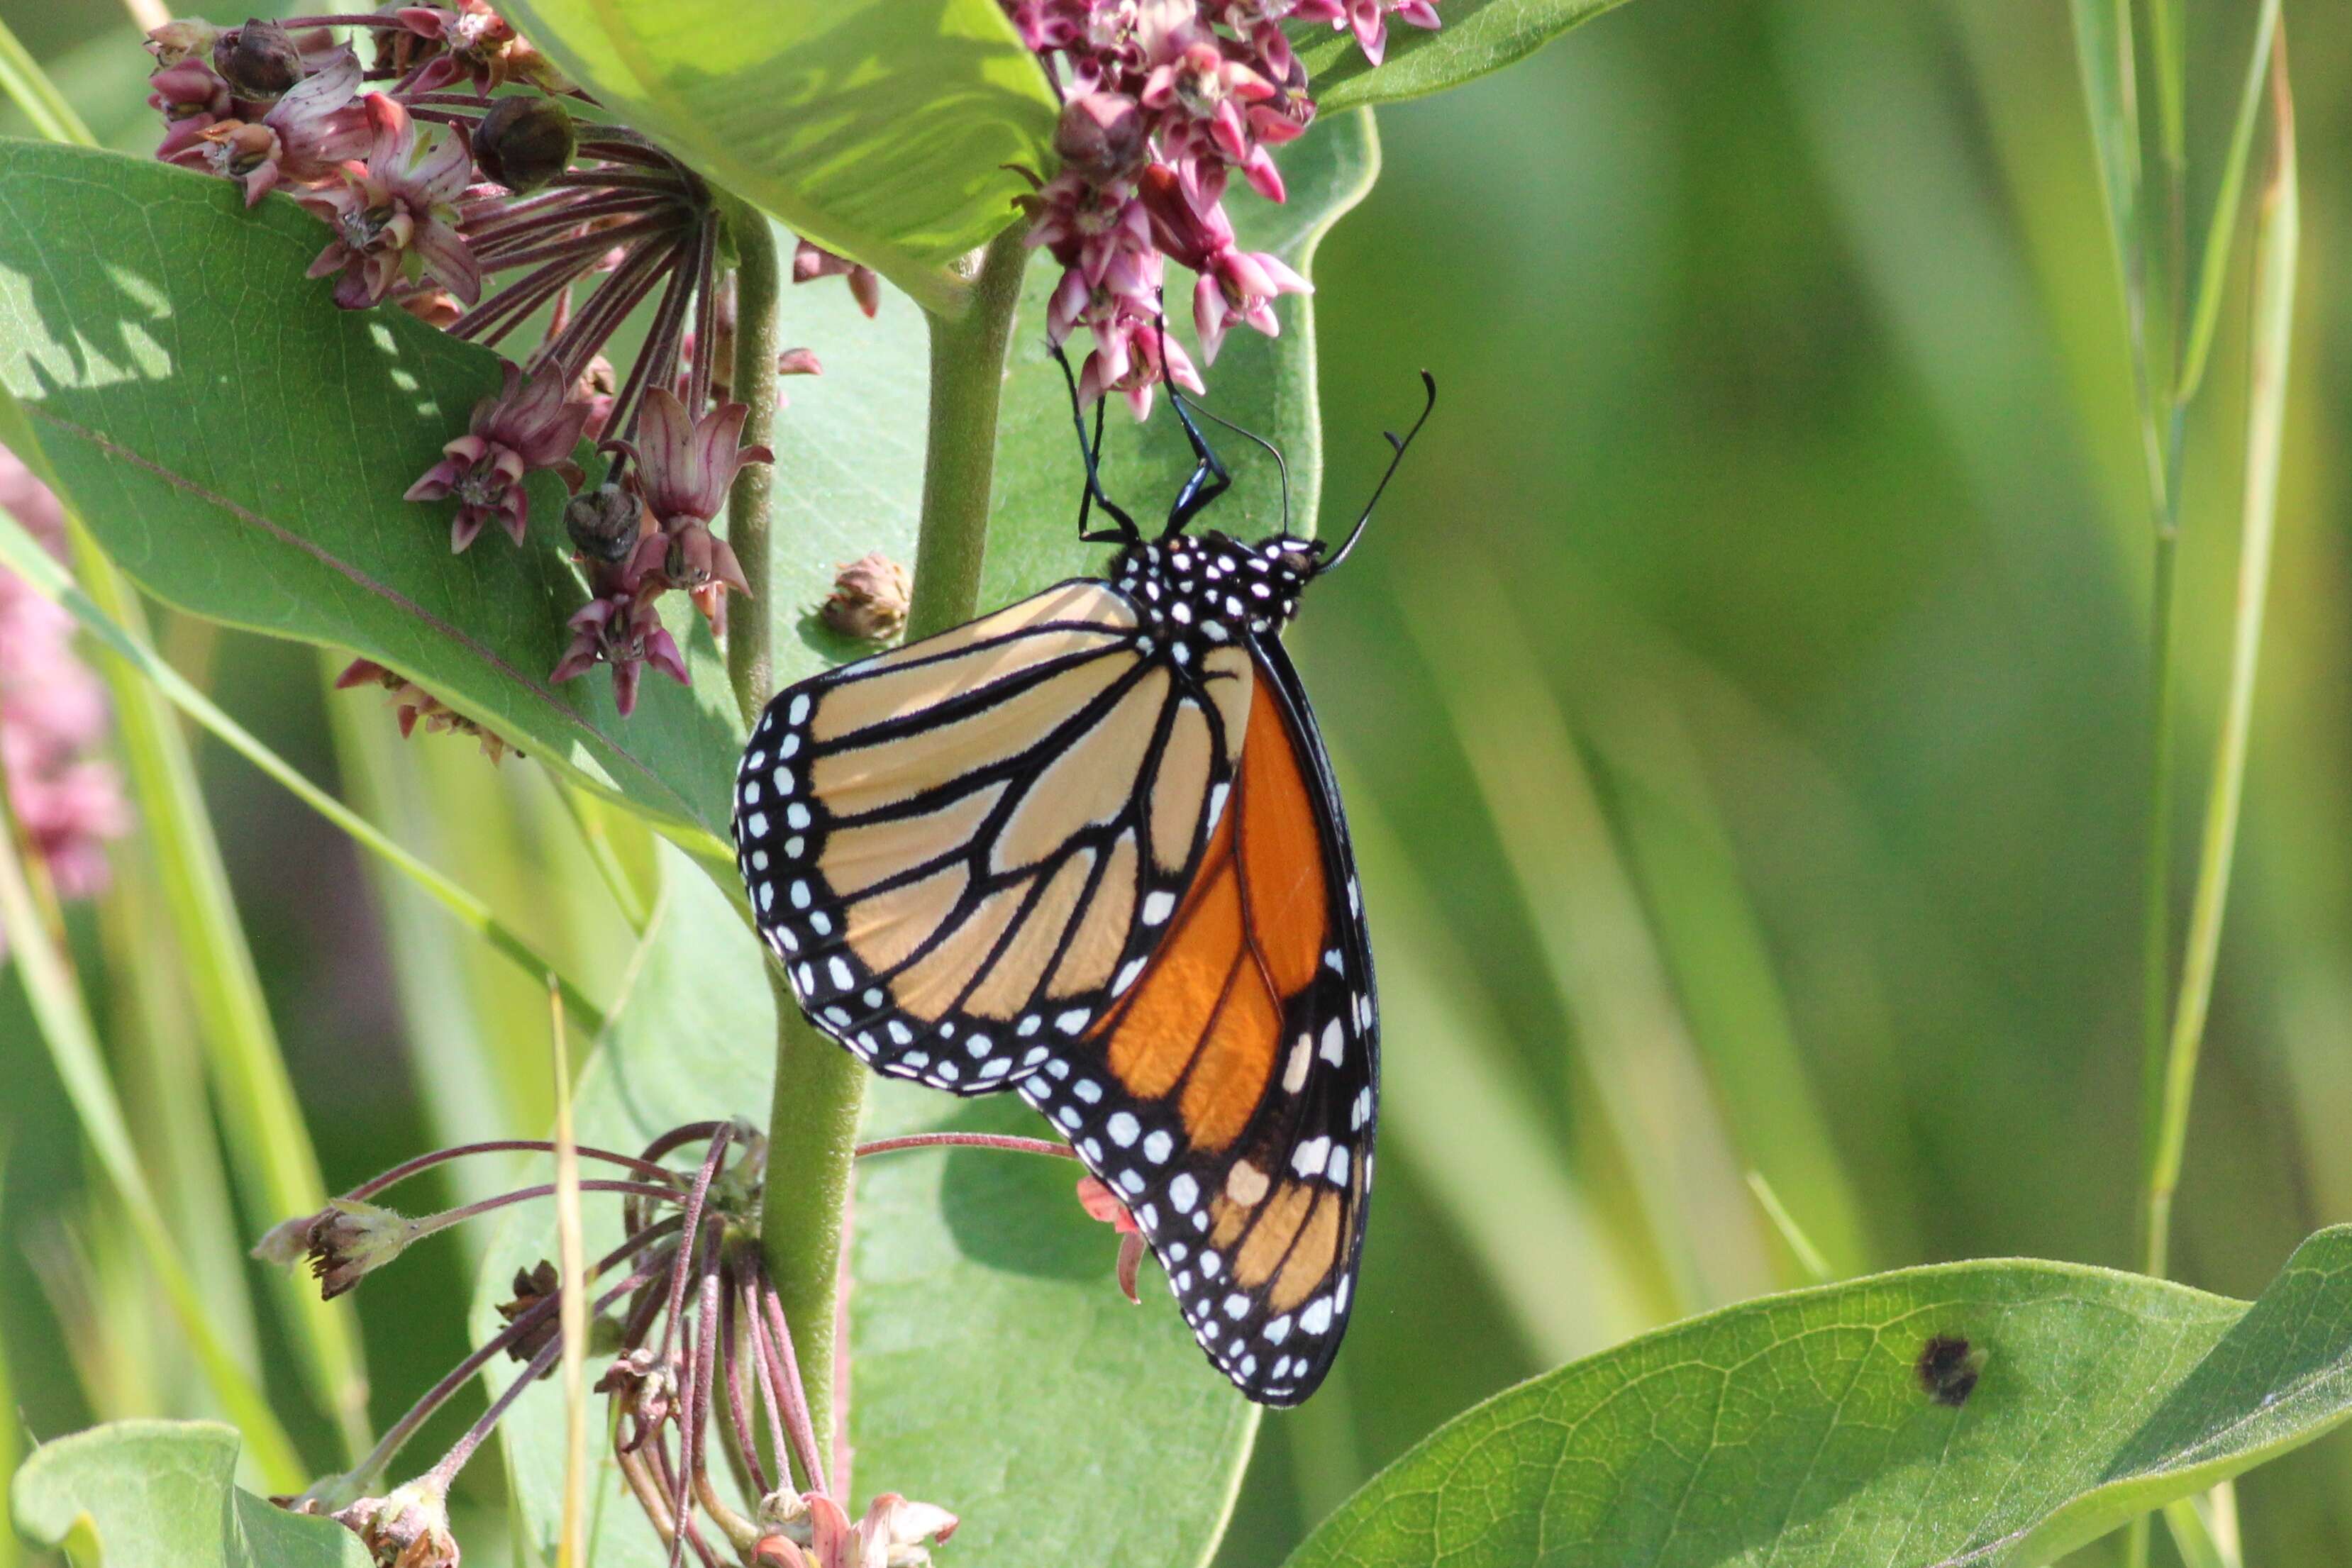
[(666, 437), (661, 652), (447, 259)]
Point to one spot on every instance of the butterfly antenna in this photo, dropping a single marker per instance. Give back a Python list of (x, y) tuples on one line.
[(1429, 385), (1252, 436), (1128, 532)]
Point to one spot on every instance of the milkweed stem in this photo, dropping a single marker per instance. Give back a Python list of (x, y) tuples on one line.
[(819, 1088)]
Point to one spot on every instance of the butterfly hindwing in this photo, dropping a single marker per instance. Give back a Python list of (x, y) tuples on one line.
[(1230, 1097), (965, 849)]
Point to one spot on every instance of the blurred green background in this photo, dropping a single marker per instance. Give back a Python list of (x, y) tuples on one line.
[(1741, 697)]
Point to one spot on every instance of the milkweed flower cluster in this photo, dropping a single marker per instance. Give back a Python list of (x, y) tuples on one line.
[(1164, 101), (498, 220), (706, 1414), (53, 713)]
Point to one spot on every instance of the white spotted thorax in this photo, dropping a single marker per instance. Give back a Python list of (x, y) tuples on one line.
[(1209, 587)]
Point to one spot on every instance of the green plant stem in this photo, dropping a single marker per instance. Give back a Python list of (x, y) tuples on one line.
[(63, 1018), (819, 1088), (2276, 235), (759, 286)]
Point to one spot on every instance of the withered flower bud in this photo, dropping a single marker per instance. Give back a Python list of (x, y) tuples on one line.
[(259, 60), (524, 142), (1101, 135), (602, 523), (187, 39), (533, 1286), (407, 1529), (870, 599), (349, 1239)]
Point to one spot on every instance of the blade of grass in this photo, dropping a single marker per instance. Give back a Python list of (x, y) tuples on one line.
[(29, 87), (65, 1025), (1579, 1291), (2276, 241), (12, 1446), (589, 819), (2213, 270), (2277, 250), (1601, 952), (572, 1260), (22, 555), (1792, 1235), (1687, 870), (161, 1065), (454, 1045), (276, 1164), (274, 1159), (2205, 1529)]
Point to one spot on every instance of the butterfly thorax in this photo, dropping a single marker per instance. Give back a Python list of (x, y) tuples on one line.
[(1194, 590)]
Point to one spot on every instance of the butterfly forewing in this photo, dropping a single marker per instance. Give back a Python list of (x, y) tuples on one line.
[(965, 849), (1229, 1097)]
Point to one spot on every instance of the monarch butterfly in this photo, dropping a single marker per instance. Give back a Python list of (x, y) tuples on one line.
[(1090, 849)]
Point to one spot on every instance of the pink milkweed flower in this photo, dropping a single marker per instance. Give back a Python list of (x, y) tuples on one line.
[(191, 97), (523, 426), (1202, 99), (688, 463), (691, 558), (395, 217), (311, 129), (813, 1530), (475, 43), (624, 629), (53, 713), (1133, 364), (1367, 19), (1234, 285)]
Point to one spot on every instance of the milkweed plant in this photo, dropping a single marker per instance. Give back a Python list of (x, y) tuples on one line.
[(523, 354)]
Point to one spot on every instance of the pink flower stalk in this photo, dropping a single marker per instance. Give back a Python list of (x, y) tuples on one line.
[(314, 127), (526, 424), (395, 217), (53, 713), (623, 630)]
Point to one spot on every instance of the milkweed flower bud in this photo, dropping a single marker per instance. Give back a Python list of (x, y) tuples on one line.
[(1102, 136), (870, 599), (259, 60), (525, 142), (603, 523), (348, 1241)]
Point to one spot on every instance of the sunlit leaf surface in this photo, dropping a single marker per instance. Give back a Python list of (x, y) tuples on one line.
[(1820, 1428), (888, 130), (143, 1493)]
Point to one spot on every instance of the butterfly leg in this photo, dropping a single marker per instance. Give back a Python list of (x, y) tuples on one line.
[(1092, 496), (1210, 477)]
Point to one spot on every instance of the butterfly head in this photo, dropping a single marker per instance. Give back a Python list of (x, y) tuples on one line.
[(1210, 588)]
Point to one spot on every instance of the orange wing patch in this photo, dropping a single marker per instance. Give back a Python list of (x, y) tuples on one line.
[(1233, 1111)]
